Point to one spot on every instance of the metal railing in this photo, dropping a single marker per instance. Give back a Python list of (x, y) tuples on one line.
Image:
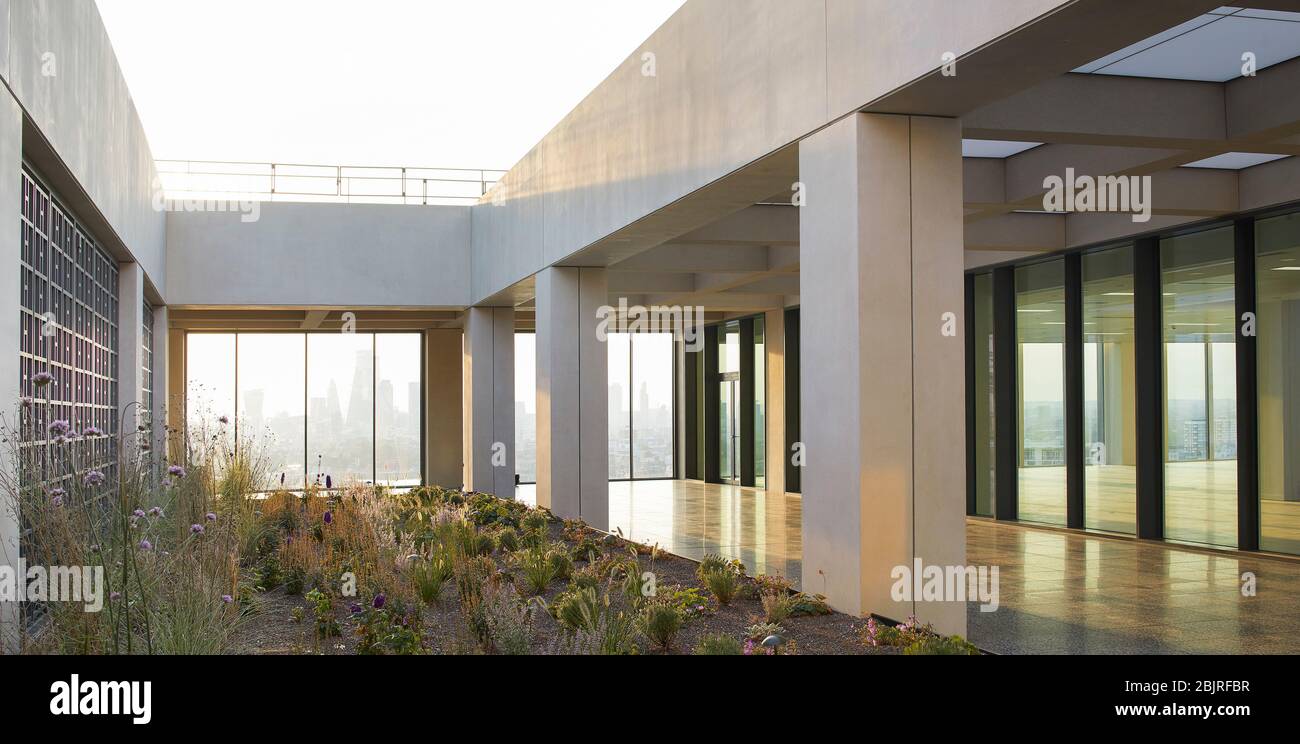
[(247, 181)]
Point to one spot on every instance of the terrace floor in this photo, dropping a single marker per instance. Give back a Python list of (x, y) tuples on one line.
[(1060, 592)]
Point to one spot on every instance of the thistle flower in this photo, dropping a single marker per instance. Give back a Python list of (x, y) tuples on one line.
[(94, 478), (138, 513), (176, 471), (196, 529), (57, 493), (329, 483), (60, 428), (28, 402), (329, 517), (41, 379), (114, 596), (92, 431), (146, 545), (57, 501), (355, 609), (378, 604), (227, 598), (211, 517), (156, 511)]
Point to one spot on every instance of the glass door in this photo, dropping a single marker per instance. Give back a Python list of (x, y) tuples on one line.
[(729, 429)]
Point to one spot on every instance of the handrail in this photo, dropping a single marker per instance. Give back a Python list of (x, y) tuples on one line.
[(254, 181)]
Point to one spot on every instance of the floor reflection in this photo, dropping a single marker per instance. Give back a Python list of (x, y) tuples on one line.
[(693, 519), (1060, 592)]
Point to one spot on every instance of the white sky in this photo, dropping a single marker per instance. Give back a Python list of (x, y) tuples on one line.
[(418, 83)]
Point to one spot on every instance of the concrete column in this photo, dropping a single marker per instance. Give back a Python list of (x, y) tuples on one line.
[(572, 395), (11, 159), (776, 459), (176, 387), (489, 401), (161, 380), (883, 387), (443, 425), (130, 349)]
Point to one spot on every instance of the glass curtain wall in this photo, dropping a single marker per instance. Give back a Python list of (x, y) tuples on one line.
[(1040, 347), (1200, 387), (1277, 271), (1109, 391), (620, 406), (652, 416), (985, 443), (313, 402)]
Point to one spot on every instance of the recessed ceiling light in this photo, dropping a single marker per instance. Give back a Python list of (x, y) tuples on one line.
[(1119, 294), (1030, 310), (1287, 268)]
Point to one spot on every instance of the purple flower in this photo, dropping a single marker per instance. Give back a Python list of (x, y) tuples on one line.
[(114, 596), (288, 540), (329, 483), (58, 493), (28, 402), (92, 431), (211, 517), (329, 518), (60, 428), (41, 379), (138, 513), (57, 501), (94, 478), (223, 420), (156, 511), (146, 545), (378, 604), (227, 598), (176, 471), (196, 529), (355, 608)]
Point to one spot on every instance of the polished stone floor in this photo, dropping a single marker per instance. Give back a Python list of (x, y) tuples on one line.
[(1060, 592), (693, 519)]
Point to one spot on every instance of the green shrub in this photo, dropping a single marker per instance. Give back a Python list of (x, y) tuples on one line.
[(660, 623), (941, 646), (536, 521), (688, 601), (803, 604), (719, 645), (723, 584), (429, 575), (587, 577), (561, 563), (537, 568), (268, 576), (327, 625), (508, 540), (295, 580), (777, 607), (470, 575), (576, 609)]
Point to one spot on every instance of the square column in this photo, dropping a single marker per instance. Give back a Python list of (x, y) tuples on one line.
[(443, 427), (776, 459), (883, 360), (489, 402), (572, 395), (130, 346), (161, 381)]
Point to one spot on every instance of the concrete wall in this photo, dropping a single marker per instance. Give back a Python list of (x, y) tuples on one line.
[(84, 110), (322, 255), (728, 88), (11, 146)]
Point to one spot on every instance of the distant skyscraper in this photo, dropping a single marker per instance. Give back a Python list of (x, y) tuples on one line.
[(361, 407)]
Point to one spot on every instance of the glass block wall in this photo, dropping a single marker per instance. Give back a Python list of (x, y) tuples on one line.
[(69, 330)]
